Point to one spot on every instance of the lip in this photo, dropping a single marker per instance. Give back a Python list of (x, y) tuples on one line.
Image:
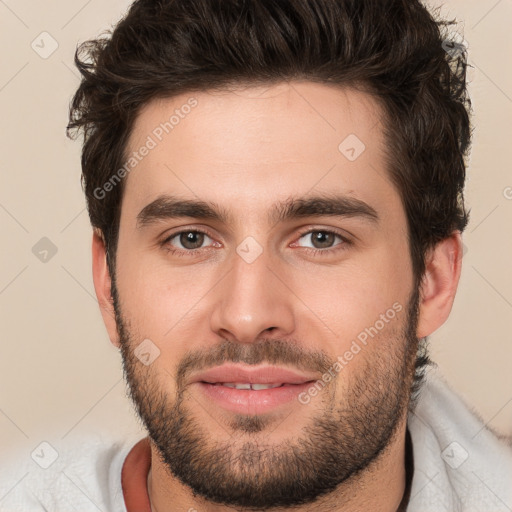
[(267, 374), (250, 401)]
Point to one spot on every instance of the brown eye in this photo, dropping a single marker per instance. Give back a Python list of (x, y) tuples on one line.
[(320, 239), (191, 239), (188, 240)]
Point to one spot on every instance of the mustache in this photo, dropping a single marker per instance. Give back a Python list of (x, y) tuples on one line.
[(270, 351)]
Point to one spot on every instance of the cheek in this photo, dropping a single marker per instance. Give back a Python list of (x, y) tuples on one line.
[(343, 301), (162, 303)]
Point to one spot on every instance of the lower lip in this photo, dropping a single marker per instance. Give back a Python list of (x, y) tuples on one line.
[(252, 401)]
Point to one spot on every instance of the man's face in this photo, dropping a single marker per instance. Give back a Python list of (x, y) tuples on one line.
[(266, 277)]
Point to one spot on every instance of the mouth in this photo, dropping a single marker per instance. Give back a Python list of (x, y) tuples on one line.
[(249, 377), (250, 385), (250, 390), (251, 398)]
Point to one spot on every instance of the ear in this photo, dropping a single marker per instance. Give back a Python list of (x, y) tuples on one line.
[(439, 285), (102, 286)]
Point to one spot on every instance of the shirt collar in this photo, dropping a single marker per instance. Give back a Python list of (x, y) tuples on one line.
[(134, 476)]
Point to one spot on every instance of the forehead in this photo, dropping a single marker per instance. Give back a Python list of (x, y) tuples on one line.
[(248, 147)]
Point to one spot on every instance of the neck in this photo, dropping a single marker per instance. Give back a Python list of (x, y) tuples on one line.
[(380, 487)]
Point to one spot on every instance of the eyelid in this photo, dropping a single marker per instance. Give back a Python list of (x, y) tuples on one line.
[(342, 234), (304, 231), (184, 229), (343, 245)]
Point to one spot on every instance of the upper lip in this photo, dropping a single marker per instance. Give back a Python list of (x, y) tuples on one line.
[(258, 375)]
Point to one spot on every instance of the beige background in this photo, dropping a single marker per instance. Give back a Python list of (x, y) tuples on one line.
[(59, 376)]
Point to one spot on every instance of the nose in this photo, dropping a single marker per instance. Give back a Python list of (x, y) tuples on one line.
[(251, 301)]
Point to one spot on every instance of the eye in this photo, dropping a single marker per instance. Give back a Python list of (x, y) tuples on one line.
[(320, 239), (188, 240)]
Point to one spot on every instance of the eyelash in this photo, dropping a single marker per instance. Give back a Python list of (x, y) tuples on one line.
[(188, 252)]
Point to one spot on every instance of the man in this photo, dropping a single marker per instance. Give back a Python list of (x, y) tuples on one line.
[(276, 191)]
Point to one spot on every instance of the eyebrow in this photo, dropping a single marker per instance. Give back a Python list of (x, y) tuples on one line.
[(171, 207)]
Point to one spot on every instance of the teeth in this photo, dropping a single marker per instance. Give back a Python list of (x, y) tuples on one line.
[(265, 386), (245, 385), (236, 385)]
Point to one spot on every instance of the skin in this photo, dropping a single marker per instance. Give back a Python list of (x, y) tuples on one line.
[(246, 150)]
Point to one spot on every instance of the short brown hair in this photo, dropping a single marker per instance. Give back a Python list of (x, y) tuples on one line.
[(392, 49)]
